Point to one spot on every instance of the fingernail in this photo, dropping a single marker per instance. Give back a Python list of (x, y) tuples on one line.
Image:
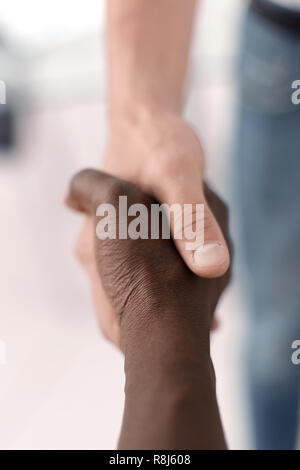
[(210, 254)]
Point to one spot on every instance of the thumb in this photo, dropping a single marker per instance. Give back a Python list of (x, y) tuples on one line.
[(208, 254)]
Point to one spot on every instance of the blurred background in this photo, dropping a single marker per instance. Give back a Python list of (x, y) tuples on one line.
[(62, 385)]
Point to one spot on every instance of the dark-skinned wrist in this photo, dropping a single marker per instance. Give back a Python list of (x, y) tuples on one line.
[(170, 386), (165, 341)]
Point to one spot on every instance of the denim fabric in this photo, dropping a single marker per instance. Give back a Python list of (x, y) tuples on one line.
[(267, 204)]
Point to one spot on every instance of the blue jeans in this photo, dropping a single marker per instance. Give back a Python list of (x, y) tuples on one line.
[(267, 204)]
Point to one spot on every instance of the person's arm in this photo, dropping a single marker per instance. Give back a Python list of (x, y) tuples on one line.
[(148, 45), (149, 143), (170, 392), (164, 312)]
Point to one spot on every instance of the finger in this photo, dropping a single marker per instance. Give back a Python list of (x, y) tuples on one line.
[(87, 188), (209, 255)]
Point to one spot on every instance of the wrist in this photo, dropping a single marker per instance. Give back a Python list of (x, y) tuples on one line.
[(138, 135), (136, 113), (167, 369), (164, 343), (149, 132)]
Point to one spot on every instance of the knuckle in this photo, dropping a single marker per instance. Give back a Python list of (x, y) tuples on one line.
[(123, 188), (81, 176), (116, 189)]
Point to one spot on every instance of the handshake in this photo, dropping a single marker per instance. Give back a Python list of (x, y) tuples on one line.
[(151, 305)]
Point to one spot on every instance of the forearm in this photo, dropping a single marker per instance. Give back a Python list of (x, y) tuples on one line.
[(170, 389), (148, 50)]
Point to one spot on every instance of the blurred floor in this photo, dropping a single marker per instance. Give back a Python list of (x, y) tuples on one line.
[(62, 386)]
